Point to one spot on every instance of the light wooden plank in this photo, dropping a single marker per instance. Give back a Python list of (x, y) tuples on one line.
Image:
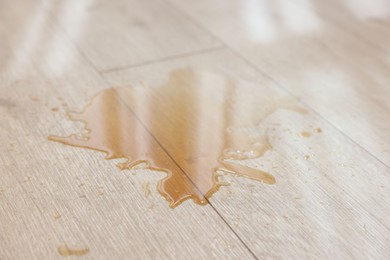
[(363, 19), (341, 77), (122, 33), (367, 11), (332, 205), (52, 195)]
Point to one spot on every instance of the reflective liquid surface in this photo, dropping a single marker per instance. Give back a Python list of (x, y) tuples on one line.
[(187, 127)]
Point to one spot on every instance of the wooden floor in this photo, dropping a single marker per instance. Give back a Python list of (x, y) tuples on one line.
[(333, 56)]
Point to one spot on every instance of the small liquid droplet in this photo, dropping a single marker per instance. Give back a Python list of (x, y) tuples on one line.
[(146, 188), (64, 250), (305, 134), (318, 130), (306, 157)]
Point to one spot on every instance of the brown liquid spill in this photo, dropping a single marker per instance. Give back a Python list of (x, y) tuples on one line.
[(184, 128), (64, 250)]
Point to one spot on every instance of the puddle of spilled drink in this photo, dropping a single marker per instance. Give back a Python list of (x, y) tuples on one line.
[(182, 127)]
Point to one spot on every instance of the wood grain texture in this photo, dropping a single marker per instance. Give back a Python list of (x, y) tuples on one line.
[(124, 33), (332, 195), (316, 56), (364, 20)]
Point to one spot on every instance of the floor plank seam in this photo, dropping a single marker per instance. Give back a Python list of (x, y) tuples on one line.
[(168, 58), (170, 156), (79, 51), (234, 232), (334, 127), (327, 122), (196, 23)]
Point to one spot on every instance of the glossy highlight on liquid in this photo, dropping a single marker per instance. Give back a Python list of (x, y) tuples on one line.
[(184, 127)]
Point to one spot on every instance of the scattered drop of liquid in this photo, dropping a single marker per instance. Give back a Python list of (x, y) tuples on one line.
[(54, 109), (64, 250), (101, 192), (318, 130), (306, 157), (146, 188), (184, 127), (305, 134)]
